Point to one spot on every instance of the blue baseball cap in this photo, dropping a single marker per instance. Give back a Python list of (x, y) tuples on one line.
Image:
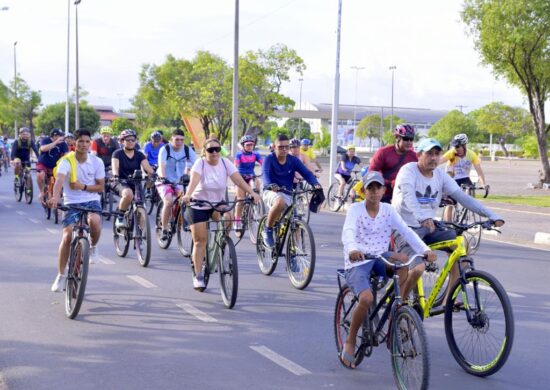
[(428, 144)]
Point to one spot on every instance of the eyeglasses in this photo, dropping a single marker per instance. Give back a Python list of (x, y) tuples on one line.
[(130, 139), (214, 149), (249, 144), (179, 139), (283, 147), (407, 139)]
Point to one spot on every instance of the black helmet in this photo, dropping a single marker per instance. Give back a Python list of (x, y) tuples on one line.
[(56, 132)]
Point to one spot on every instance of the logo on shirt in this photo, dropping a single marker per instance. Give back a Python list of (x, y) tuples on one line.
[(428, 197)]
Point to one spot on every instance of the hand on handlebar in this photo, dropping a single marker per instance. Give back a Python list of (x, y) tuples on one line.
[(255, 197), (431, 256), (428, 224), (186, 199), (273, 187), (317, 187), (356, 256)]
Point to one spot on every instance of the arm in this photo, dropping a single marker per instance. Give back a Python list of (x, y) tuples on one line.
[(50, 146), (239, 181), (162, 163), (35, 149), (408, 234), (58, 185), (147, 167), (306, 173), (114, 165), (193, 183), (474, 205), (13, 150), (480, 174)]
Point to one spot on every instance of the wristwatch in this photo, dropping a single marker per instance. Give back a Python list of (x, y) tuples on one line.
[(85, 187)]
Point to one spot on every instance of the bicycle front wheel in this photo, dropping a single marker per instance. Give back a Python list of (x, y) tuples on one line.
[(229, 273), (77, 277), (255, 213), (150, 200), (142, 236), (163, 243), (334, 202), (345, 307), (28, 190), (266, 256), (183, 234), (409, 350), (302, 207), (121, 239), (18, 190), (300, 255), (479, 324), (473, 235), (47, 209)]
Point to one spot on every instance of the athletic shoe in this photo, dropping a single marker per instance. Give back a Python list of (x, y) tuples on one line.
[(94, 255), (198, 283), (267, 236), (59, 283)]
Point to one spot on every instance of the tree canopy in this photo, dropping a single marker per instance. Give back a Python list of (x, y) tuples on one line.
[(53, 116), (455, 122)]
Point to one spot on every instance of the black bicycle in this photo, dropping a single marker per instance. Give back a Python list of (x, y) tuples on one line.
[(252, 212), (176, 222), (151, 197), (388, 321), (136, 224), (107, 196), (334, 201), (23, 185)]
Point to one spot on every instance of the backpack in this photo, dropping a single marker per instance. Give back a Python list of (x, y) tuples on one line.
[(185, 147), (20, 144)]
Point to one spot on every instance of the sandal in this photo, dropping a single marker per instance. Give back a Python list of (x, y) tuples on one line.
[(343, 355)]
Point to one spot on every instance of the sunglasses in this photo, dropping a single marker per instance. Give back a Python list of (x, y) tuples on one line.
[(130, 139), (283, 147), (214, 149), (407, 139), (249, 144)]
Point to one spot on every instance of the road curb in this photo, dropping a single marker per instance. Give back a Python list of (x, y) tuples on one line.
[(542, 238)]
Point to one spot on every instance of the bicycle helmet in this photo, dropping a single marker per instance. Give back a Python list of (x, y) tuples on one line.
[(294, 142), (305, 141), (404, 130), (106, 130), (56, 132), (364, 171), (127, 133), (459, 139), (24, 130), (69, 135), (247, 138), (156, 135)]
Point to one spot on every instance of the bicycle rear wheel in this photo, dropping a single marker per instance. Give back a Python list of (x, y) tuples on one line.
[(343, 312), (28, 189), (47, 209), (121, 239), (150, 199), (18, 190), (142, 236), (183, 234), (334, 202), (472, 236), (300, 255), (255, 213), (266, 256), (164, 244), (409, 350), (481, 345), (77, 277), (229, 273)]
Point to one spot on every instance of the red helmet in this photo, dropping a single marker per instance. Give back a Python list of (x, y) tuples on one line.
[(404, 130)]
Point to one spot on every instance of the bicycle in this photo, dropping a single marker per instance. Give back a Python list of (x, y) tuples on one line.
[(220, 253), (176, 221), (24, 185), (336, 202), (300, 246), (137, 226), (404, 334), (79, 260), (250, 217), (464, 216), (152, 197), (49, 181), (107, 197), (481, 344)]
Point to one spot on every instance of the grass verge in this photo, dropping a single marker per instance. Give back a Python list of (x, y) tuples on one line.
[(537, 201)]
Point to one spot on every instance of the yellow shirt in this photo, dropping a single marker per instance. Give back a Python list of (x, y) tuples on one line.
[(308, 153), (461, 166), (358, 188)]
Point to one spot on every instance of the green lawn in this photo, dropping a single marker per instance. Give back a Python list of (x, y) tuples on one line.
[(539, 201)]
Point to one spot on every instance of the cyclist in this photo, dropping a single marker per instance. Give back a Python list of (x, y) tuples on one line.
[(3, 153), (389, 159), (208, 182), (82, 177), (343, 174), (367, 229), (52, 148), (123, 164), (459, 161), (306, 150), (175, 160), (104, 146), (278, 173), (357, 192), (21, 151), (419, 187), (245, 161), (71, 141), (152, 148)]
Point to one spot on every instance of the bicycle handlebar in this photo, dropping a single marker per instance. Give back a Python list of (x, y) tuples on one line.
[(396, 265), (487, 225), (227, 206)]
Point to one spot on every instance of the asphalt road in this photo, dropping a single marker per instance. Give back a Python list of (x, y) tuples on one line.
[(147, 328)]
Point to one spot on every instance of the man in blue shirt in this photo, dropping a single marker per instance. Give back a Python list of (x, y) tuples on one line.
[(52, 148), (152, 149), (278, 173)]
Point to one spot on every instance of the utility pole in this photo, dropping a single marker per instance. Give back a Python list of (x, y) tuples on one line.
[(301, 80), (336, 99), (67, 102), (392, 68), (461, 107), (76, 107), (357, 69), (15, 84), (235, 113)]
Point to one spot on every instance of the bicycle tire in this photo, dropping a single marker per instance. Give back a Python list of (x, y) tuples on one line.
[(77, 276), (267, 260), (300, 260), (121, 240), (333, 202), (47, 210), (228, 269), (142, 236), (255, 213), (472, 236), (17, 191), (343, 312), (409, 350), (302, 207), (491, 331), (429, 279), (163, 244), (183, 234), (28, 190), (150, 200)]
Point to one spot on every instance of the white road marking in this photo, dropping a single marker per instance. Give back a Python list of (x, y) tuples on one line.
[(9, 206), (511, 294), (141, 281), (516, 244), (521, 211), (33, 220), (280, 360), (196, 312), (20, 212), (106, 260), (53, 231)]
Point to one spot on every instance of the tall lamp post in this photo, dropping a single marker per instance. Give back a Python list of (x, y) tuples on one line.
[(392, 68), (357, 69), (235, 112), (67, 102), (76, 106), (15, 84), (301, 80)]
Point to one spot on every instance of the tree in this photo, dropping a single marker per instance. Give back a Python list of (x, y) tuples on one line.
[(25, 104), (53, 116), (298, 128), (120, 124), (275, 131), (455, 122), (6, 113), (368, 127), (513, 38), (321, 141), (389, 122)]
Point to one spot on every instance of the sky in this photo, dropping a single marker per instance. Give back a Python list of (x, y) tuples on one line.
[(437, 66)]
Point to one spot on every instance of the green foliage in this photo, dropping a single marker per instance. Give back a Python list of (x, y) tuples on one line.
[(275, 131), (25, 104), (502, 120), (298, 128), (529, 145), (6, 114), (120, 124), (322, 141), (455, 122), (369, 127), (53, 116)]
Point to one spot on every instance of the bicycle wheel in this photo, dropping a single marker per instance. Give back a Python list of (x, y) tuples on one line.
[(343, 312), (150, 200), (183, 234), (17, 190), (430, 277), (481, 345), (77, 276), (334, 202), (267, 259), (229, 273), (300, 255), (164, 244), (142, 236), (302, 207), (409, 350), (121, 239), (472, 236), (28, 189), (255, 213), (47, 210)]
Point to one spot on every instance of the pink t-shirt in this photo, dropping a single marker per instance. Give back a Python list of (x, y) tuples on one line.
[(213, 180)]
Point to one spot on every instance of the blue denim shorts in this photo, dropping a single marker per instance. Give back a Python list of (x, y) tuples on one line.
[(358, 278), (72, 216)]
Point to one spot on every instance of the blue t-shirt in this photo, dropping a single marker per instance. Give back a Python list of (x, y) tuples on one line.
[(283, 174), (246, 161), (177, 163), (49, 158), (349, 164), (152, 153)]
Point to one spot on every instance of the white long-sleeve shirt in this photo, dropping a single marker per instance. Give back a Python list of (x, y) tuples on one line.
[(372, 235)]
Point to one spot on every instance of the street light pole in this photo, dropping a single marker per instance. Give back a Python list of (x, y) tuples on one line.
[(235, 113), (76, 106), (392, 68), (357, 69), (67, 102), (336, 99), (301, 80), (15, 84)]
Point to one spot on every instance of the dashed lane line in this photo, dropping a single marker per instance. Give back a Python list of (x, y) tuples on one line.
[(34, 220), (196, 312), (9, 206), (280, 360), (521, 211), (53, 231), (20, 212), (141, 281), (510, 294), (106, 260)]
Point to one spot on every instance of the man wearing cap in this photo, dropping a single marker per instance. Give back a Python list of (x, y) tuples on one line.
[(419, 187), (152, 148), (367, 230), (105, 146), (52, 148), (21, 151)]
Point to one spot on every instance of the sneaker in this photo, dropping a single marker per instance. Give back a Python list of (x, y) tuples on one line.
[(164, 235), (120, 223), (59, 283), (237, 225), (267, 236), (94, 255), (198, 282)]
